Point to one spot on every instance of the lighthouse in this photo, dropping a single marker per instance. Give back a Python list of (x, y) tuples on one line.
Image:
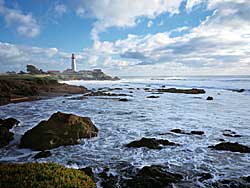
[(73, 63)]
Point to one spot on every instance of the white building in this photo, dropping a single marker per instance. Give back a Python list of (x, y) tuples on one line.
[(73, 63)]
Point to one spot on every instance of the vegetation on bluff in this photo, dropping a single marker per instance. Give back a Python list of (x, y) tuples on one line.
[(42, 175)]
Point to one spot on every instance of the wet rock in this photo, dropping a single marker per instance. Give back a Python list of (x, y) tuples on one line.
[(238, 90), (101, 93), (108, 180), (178, 131), (59, 130), (153, 97), (242, 182), (230, 133), (233, 147), (150, 143), (152, 177), (205, 176), (184, 91), (79, 98), (210, 98), (9, 123), (42, 154), (197, 132), (124, 100), (88, 171), (5, 136)]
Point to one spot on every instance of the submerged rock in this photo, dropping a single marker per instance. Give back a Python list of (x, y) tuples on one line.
[(238, 90), (152, 176), (233, 147), (197, 132), (179, 131), (242, 182), (230, 133), (42, 154), (153, 97), (9, 123), (101, 93), (210, 98), (124, 100), (60, 129), (151, 143), (185, 91)]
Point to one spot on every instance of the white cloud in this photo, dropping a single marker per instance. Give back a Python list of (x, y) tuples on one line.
[(25, 24), (191, 3), (150, 23), (60, 9), (125, 13)]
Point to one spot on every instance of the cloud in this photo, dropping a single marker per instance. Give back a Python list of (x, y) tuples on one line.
[(115, 13), (219, 45), (150, 23), (25, 24), (60, 9)]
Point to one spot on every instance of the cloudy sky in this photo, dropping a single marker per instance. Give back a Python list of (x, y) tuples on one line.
[(128, 37)]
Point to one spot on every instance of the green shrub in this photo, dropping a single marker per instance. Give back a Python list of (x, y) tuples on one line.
[(42, 175)]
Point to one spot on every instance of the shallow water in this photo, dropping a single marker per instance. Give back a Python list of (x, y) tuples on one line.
[(122, 122)]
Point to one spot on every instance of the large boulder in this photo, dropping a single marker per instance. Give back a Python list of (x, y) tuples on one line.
[(60, 129), (5, 135), (153, 176), (233, 147), (185, 91), (150, 143)]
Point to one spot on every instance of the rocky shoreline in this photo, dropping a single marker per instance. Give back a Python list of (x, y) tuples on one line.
[(15, 89), (63, 129)]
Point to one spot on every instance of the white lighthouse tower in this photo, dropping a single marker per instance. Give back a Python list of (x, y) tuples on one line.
[(73, 63)]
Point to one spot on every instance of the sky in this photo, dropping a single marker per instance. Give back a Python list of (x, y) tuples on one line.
[(128, 37)]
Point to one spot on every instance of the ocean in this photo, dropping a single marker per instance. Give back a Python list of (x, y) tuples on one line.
[(122, 122)]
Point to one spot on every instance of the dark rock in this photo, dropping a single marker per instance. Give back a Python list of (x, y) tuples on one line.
[(152, 177), (205, 176), (60, 129), (210, 98), (153, 97), (151, 143), (242, 182), (197, 132), (101, 93), (230, 133), (9, 123), (238, 90), (79, 98), (185, 91), (178, 131), (233, 147), (5, 136), (222, 140), (42, 154), (108, 180), (88, 171), (124, 100)]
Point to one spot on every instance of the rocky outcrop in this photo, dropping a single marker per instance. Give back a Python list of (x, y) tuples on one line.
[(5, 135), (209, 98), (242, 182), (185, 91), (153, 97), (151, 143), (59, 130), (42, 154), (238, 90), (101, 93), (230, 133), (179, 131), (152, 176), (233, 147), (26, 88)]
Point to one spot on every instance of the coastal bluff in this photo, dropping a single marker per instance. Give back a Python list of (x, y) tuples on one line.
[(20, 88)]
